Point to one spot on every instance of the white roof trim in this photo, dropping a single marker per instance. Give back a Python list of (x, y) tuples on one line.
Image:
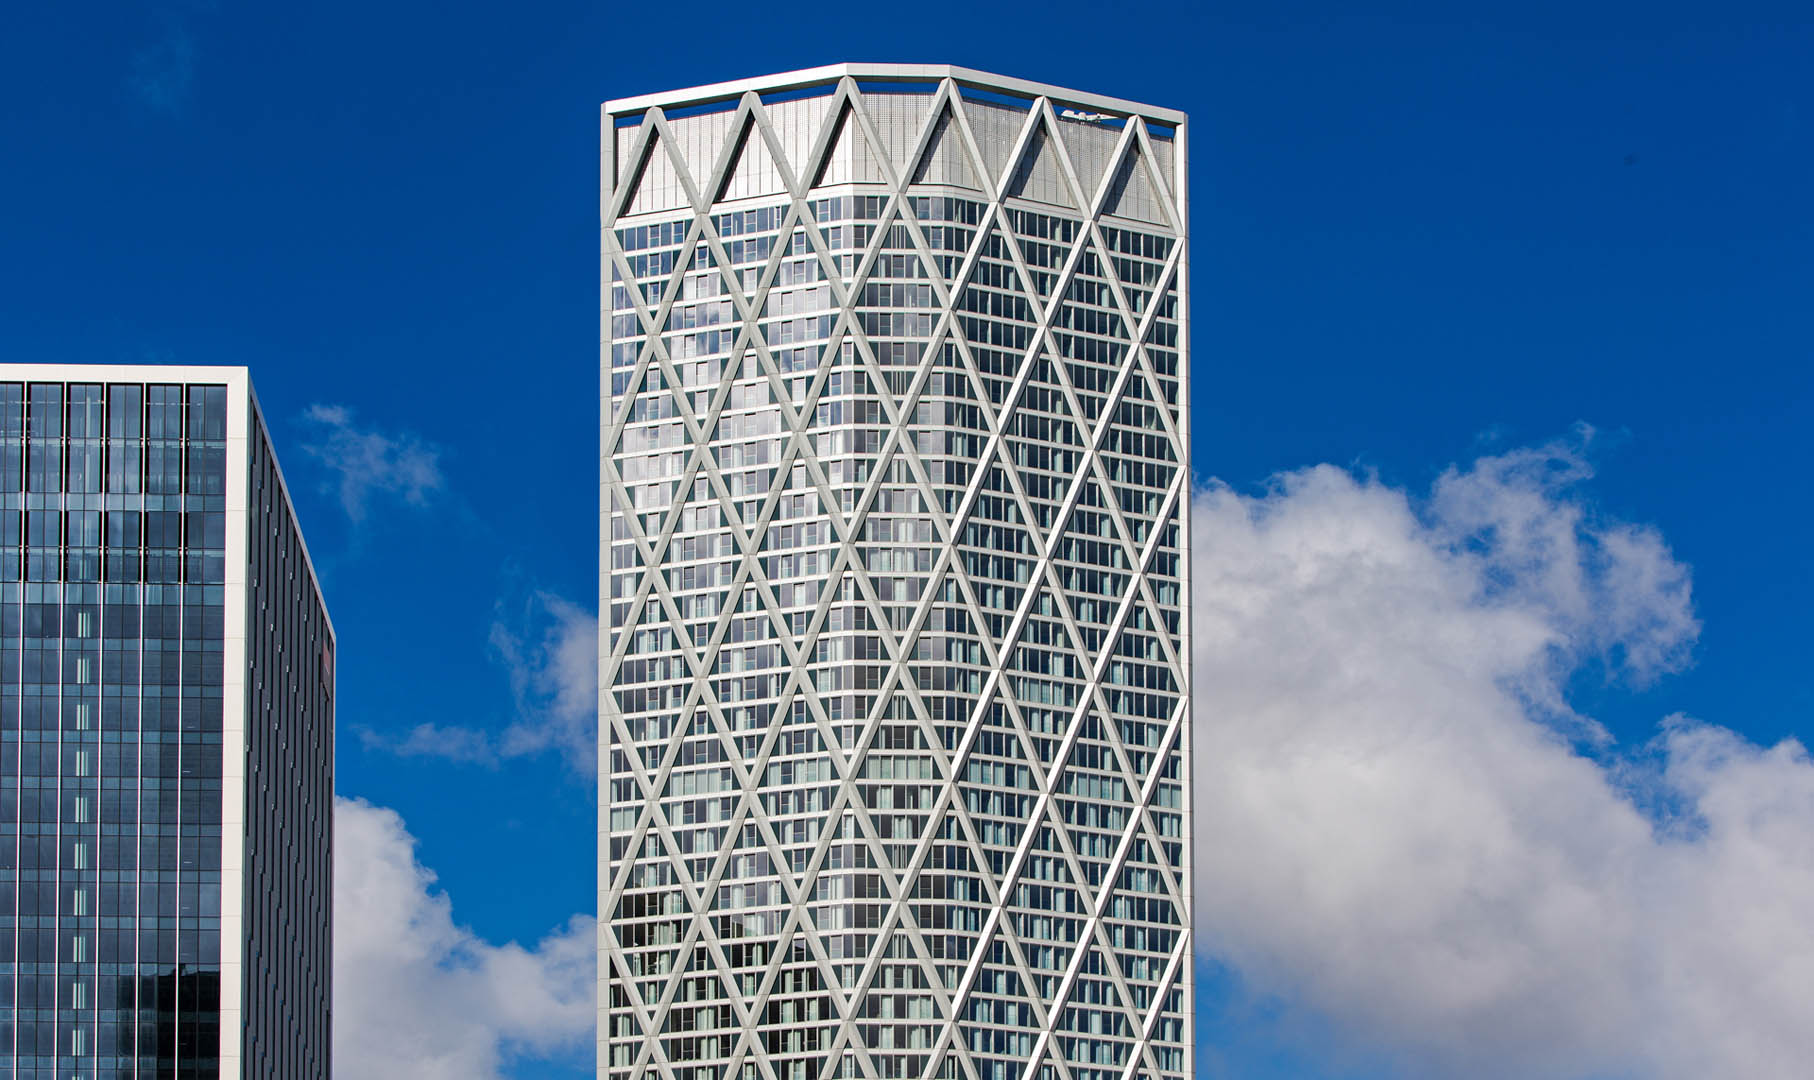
[(788, 80)]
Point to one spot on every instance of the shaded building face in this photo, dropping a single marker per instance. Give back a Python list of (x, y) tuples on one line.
[(123, 600), (894, 687)]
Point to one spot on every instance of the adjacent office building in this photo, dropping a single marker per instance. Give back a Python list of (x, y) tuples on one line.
[(166, 735), (894, 672)]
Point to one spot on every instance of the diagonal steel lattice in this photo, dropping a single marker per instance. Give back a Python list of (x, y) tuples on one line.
[(894, 690)]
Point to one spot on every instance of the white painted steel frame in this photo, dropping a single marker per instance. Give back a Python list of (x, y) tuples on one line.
[(654, 136)]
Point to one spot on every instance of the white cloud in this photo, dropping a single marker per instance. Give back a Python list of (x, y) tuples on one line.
[(553, 665), (448, 741), (1400, 840), (1397, 836), (550, 650), (367, 463), (418, 996)]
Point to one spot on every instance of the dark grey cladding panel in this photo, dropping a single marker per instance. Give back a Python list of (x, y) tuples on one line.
[(289, 792)]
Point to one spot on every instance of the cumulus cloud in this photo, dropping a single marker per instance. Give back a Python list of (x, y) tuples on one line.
[(549, 647), (367, 464), (1405, 837), (416, 995), (554, 675)]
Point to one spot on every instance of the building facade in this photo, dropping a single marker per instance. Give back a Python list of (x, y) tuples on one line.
[(894, 683), (166, 735)]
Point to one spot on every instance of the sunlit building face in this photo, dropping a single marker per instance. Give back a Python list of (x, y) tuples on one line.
[(894, 684), (166, 735)]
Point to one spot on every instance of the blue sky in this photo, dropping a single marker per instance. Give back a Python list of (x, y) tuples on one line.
[(1420, 238)]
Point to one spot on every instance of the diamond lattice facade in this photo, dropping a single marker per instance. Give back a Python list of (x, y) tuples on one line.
[(894, 684), (166, 735)]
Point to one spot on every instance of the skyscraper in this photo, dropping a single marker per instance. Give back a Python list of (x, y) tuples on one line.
[(166, 735), (894, 682)]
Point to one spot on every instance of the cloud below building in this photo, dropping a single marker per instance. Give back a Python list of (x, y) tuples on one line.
[(1407, 839), (416, 995)]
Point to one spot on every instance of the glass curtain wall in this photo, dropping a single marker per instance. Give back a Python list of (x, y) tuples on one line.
[(112, 527)]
